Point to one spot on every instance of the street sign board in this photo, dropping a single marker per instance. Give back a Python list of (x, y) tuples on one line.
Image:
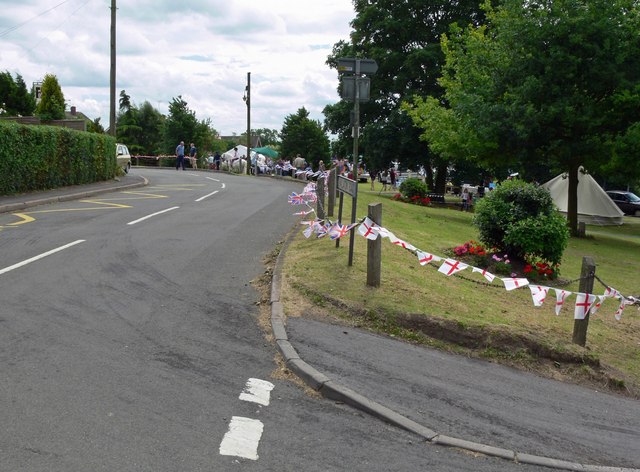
[(347, 65), (349, 88), (346, 185)]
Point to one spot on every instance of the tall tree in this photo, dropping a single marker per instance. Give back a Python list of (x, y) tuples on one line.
[(180, 125), (25, 102), (556, 82), (304, 136), (15, 99), (52, 105), (404, 39), (151, 123)]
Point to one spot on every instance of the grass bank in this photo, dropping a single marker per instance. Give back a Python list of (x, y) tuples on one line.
[(465, 314)]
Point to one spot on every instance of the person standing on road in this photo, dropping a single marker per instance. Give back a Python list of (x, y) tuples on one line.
[(193, 156), (216, 161), (180, 156)]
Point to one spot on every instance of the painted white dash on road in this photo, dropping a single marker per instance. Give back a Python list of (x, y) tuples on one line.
[(41, 256), (151, 216), (224, 186), (257, 391), (211, 178), (207, 196), (243, 438)]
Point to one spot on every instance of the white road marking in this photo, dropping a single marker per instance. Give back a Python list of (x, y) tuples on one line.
[(41, 256), (224, 186), (211, 178), (243, 438), (152, 215), (257, 391), (207, 196)]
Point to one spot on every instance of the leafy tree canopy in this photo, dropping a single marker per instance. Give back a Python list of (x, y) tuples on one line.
[(304, 136), (404, 39), (15, 99), (52, 104), (555, 82)]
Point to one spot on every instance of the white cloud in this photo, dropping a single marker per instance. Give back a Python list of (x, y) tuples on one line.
[(198, 49)]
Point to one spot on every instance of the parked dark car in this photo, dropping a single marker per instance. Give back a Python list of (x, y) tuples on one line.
[(628, 202)]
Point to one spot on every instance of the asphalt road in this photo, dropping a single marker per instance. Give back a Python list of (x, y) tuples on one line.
[(129, 341)]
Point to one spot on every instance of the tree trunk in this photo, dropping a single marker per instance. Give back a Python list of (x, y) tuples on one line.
[(441, 177), (429, 176), (572, 199)]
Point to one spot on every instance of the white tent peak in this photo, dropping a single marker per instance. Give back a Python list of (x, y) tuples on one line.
[(594, 205)]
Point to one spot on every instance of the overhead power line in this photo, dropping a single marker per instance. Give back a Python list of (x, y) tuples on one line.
[(18, 26)]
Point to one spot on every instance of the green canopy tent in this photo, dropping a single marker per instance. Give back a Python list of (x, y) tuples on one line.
[(266, 151)]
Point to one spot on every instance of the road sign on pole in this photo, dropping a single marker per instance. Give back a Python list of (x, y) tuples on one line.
[(347, 65)]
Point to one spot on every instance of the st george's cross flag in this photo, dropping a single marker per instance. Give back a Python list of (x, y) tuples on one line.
[(611, 293), (369, 229), (424, 258), (623, 304), (597, 304), (538, 294), (561, 296), (514, 283), (584, 301), (451, 266), (399, 242), (487, 275)]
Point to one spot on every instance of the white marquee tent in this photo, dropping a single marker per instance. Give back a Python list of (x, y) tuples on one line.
[(594, 205)]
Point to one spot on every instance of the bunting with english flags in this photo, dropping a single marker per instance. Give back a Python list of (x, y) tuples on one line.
[(585, 303)]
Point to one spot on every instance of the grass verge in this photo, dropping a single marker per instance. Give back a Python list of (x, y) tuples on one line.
[(464, 315)]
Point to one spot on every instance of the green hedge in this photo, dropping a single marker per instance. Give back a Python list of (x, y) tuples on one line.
[(45, 157)]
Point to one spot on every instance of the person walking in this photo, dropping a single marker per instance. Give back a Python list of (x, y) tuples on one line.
[(216, 160), (392, 176), (180, 156), (372, 175)]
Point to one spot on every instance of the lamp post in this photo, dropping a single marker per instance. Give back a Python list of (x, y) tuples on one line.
[(247, 100)]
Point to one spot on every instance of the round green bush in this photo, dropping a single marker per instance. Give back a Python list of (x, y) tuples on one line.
[(413, 187), (522, 220)]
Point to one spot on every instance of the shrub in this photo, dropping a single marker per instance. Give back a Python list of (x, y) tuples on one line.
[(522, 220), (413, 187)]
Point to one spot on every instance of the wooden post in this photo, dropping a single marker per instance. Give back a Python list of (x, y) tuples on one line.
[(340, 216), (332, 191), (586, 286), (374, 247), (320, 203)]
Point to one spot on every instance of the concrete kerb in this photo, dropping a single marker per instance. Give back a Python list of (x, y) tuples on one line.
[(337, 392), (10, 207)]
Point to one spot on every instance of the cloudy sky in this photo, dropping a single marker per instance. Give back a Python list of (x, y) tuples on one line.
[(201, 50)]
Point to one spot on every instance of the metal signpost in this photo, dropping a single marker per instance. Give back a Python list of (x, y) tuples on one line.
[(356, 88)]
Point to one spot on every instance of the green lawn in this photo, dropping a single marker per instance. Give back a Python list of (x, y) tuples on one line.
[(316, 265)]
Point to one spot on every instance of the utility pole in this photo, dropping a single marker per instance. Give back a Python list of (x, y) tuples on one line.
[(249, 124), (112, 101)]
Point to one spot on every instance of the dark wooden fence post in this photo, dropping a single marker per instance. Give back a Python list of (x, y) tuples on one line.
[(586, 286), (332, 191), (320, 209), (374, 247)]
